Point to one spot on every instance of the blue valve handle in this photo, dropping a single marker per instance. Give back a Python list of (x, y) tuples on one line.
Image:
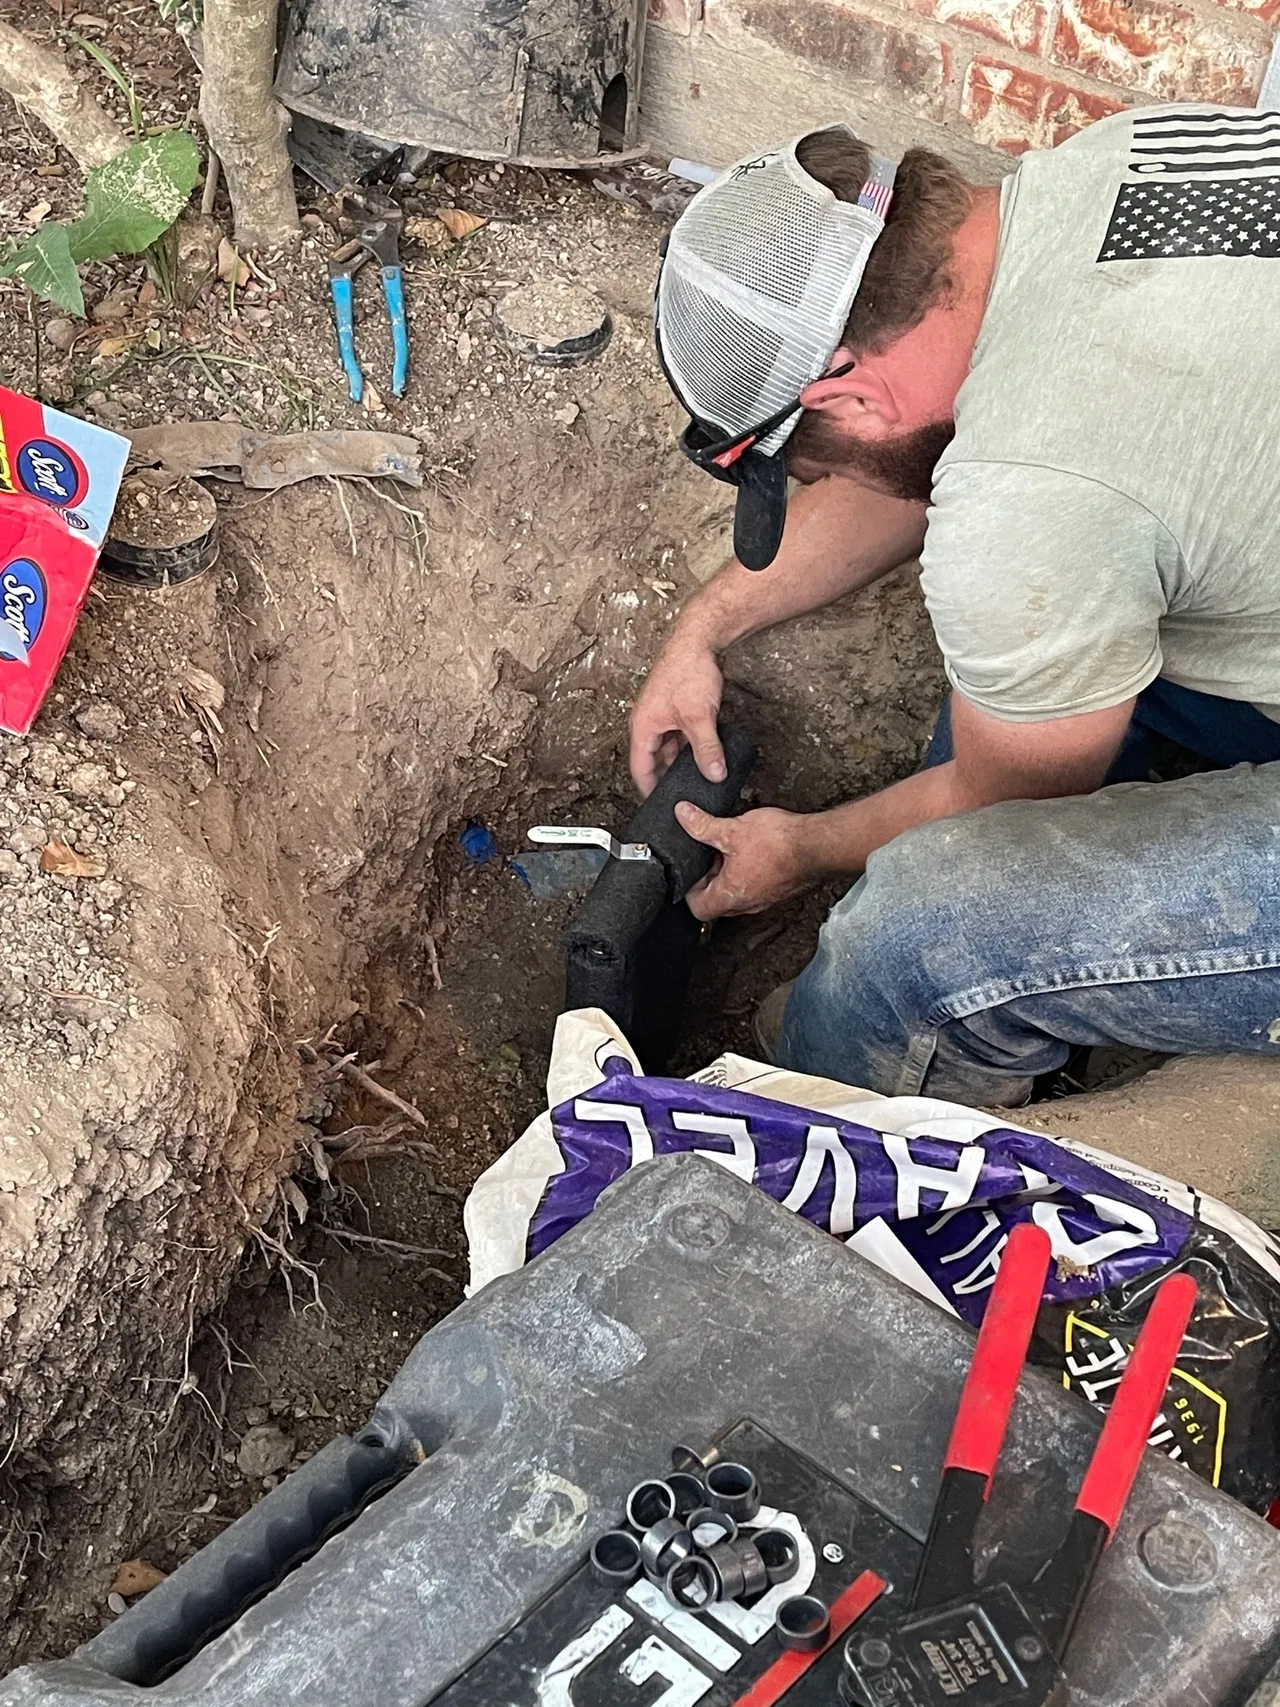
[(393, 291), (341, 288)]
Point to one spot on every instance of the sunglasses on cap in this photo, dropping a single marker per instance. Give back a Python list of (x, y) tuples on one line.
[(760, 514), (719, 456)]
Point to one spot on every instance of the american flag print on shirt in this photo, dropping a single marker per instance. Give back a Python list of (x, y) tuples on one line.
[(1210, 186)]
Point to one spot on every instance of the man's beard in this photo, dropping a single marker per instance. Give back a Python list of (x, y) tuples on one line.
[(902, 467)]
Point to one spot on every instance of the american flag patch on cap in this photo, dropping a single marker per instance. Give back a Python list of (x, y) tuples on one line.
[(877, 192)]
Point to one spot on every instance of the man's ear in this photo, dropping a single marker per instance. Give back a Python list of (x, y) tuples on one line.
[(861, 397)]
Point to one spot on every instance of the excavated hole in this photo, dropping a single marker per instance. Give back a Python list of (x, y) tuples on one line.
[(381, 697)]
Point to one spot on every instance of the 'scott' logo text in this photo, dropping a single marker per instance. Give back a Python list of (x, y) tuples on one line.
[(51, 471), (23, 599)]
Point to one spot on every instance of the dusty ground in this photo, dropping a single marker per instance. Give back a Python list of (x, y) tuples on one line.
[(282, 874)]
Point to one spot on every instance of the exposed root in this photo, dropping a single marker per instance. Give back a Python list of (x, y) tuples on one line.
[(356, 1075), (288, 1264), (395, 1250), (433, 962), (347, 1067)]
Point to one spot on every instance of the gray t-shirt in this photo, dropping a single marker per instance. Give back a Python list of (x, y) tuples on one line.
[(1109, 509)]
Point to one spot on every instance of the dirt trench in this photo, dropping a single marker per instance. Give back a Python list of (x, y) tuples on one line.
[(387, 667)]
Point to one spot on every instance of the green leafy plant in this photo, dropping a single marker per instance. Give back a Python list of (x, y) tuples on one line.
[(185, 15), (113, 71), (128, 203)]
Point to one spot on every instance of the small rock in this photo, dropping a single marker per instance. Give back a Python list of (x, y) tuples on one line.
[(61, 333), (78, 1040), (264, 1450), (45, 762), (28, 838), (569, 414), (256, 1415), (115, 305), (90, 782), (59, 387), (117, 1603), (100, 721), (11, 867), (464, 348)]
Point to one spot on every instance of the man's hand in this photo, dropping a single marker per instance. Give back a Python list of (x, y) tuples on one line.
[(839, 536), (680, 698), (762, 859)]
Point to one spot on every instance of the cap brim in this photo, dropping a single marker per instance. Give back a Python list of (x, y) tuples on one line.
[(761, 514)]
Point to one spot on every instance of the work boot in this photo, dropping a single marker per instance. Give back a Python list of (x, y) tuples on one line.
[(766, 1026)]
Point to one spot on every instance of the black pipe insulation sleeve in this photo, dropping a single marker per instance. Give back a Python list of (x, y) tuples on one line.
[(629, 948), (686, 861), (629, 893)]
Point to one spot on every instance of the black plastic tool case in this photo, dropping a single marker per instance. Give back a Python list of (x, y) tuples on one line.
[(689, 1306)]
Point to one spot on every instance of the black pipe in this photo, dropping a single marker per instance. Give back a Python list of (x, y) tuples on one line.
[(630, 947)]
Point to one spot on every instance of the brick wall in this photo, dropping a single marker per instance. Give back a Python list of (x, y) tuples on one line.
[(1003, 75)]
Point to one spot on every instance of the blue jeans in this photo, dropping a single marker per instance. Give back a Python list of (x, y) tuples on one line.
[(979, 950)]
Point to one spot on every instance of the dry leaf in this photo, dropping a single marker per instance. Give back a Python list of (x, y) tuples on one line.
[(458, 222), (136, 1576), (114, 346), (35, 214), (429, 232), (232, 268), (62, 861), (206, 696), (372, 400), (204, 690)]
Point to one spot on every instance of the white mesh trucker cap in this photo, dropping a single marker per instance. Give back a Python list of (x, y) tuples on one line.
[(757, 279)]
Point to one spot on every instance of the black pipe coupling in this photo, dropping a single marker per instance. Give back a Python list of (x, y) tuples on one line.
[(733, 1488), (649, 1503), (615, 1558), (663, 1545)]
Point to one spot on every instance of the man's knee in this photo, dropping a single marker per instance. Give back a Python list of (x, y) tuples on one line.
[(942, 866), (928, 915)]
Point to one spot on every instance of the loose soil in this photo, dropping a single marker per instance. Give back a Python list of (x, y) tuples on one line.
[(216, 1243)]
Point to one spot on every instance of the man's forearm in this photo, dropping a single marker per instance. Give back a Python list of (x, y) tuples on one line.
[(839, 537), (840, 842)]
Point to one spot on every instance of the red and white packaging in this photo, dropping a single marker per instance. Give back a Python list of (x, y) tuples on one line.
[(58, 483)]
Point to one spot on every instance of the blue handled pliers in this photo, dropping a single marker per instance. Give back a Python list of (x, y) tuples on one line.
[(379, 240)]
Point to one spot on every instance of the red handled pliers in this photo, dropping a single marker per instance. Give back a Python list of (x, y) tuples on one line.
[(1001, 1643)]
